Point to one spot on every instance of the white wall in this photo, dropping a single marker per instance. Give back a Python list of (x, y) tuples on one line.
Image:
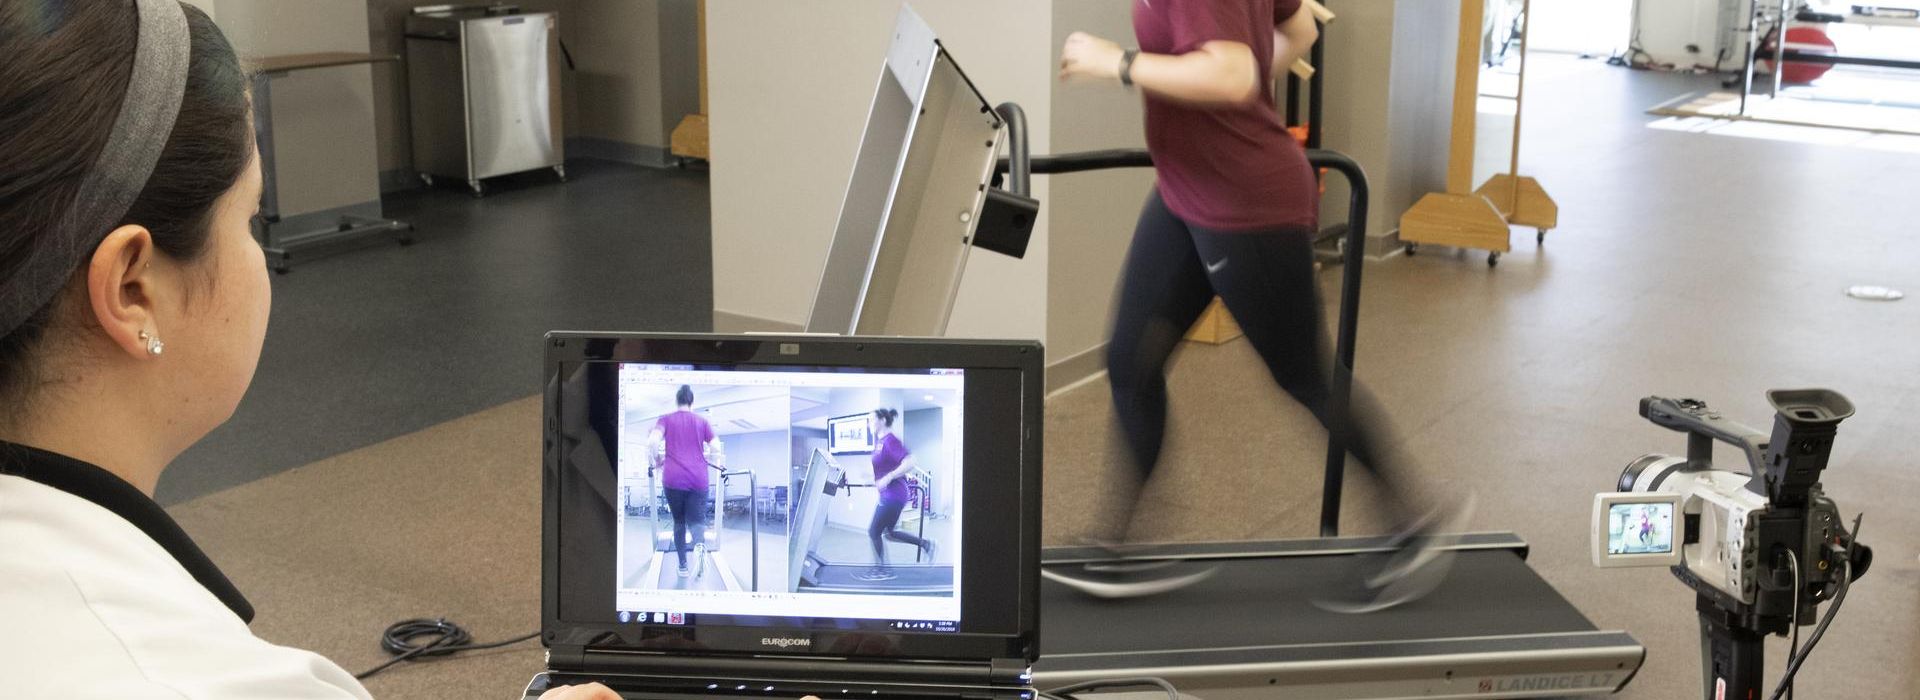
[(617, 78), (1388, 105), (805, 441), (1668, 26), (765, 453), (935, 442), (323, 119), (1090, 215), (1420, 125), (1359, 54), (1580, 26), (1604, 27), (789, 84)]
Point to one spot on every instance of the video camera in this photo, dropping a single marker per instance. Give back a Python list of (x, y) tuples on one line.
[(1761, 549)]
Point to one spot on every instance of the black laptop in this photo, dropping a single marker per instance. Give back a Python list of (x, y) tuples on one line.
[(773, 517)]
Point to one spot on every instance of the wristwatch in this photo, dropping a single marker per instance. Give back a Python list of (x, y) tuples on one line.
[(1126, 66)]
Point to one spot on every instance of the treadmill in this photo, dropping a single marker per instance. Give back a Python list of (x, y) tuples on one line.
[(709, 572), (1494, 629), (810, 571)]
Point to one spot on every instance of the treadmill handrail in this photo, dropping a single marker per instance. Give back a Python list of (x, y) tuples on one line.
[(753, 514), (1351, 259), (1017, 162)]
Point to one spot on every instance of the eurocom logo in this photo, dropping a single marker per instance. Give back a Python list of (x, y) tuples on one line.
[(784, 642)]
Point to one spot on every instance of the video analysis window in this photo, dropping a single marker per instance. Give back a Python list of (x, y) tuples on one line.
[(771, 494)]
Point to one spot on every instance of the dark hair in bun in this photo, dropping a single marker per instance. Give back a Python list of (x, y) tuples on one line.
[(886, 415), (684, 396)]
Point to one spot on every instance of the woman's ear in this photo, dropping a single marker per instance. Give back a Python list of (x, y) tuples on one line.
[(120, 286)]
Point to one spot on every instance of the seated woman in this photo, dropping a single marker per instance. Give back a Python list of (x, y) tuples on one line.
[(133, 305)]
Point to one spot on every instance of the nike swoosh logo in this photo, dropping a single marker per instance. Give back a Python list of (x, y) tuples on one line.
[(1213, 268)]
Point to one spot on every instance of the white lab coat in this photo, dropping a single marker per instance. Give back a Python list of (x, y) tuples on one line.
[(91, 607)]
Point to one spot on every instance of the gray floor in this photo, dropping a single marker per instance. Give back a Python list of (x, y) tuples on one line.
[(384, 340)]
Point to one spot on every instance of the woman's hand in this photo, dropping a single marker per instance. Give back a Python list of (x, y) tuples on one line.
[(590, 691), (1086, 56)]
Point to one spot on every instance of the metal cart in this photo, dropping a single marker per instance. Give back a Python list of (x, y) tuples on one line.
[(484, 83)]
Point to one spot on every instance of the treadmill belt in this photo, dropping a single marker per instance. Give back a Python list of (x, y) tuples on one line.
[(846, 577), (1257, 602), (709, 579)]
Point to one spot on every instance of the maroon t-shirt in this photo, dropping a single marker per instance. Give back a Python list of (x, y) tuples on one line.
[(1226, 168)]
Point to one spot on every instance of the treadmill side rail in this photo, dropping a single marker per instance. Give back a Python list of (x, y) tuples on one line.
[(1269, 549), (1569, 664), (1251, 629)]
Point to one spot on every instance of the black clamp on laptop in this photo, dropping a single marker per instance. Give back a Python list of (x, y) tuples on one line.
[(773, 517)]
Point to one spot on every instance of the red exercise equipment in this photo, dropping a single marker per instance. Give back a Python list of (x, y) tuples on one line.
[(1808, 40)]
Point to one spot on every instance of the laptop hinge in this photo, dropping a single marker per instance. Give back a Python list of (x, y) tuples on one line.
[(1010, 672), (997, 673), (567, 657)]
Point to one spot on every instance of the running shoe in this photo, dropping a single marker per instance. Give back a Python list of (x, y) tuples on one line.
[(1419, 562), (1119, 575)]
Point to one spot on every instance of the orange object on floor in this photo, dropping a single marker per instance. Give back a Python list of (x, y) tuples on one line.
[(1215, 326)]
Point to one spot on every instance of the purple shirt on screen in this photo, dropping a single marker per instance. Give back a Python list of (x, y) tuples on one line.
[(686, 435), (886, 460)]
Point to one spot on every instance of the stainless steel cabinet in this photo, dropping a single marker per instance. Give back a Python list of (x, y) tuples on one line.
[(485, 89)]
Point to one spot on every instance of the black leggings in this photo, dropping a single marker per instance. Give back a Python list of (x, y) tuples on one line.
[(686, 506), (885, 516), (1266, 278)]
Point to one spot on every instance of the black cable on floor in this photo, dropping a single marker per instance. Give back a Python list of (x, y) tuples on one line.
[(447, 638), (1067, 692)]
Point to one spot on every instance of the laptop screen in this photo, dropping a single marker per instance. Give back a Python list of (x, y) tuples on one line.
[(814, 495), (780, 495)]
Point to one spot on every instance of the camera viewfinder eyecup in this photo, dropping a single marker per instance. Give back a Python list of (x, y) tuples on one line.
[(1804, 423)]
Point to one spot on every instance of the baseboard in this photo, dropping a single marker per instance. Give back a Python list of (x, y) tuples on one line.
[(731, 322), (618, 151), (1076, 369), (399, 180), (1384, 246), (325, 219)]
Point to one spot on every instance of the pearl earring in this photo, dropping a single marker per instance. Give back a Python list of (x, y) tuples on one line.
[(154, 346)]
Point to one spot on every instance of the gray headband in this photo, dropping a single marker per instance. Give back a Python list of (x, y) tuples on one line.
[(147, 111)]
